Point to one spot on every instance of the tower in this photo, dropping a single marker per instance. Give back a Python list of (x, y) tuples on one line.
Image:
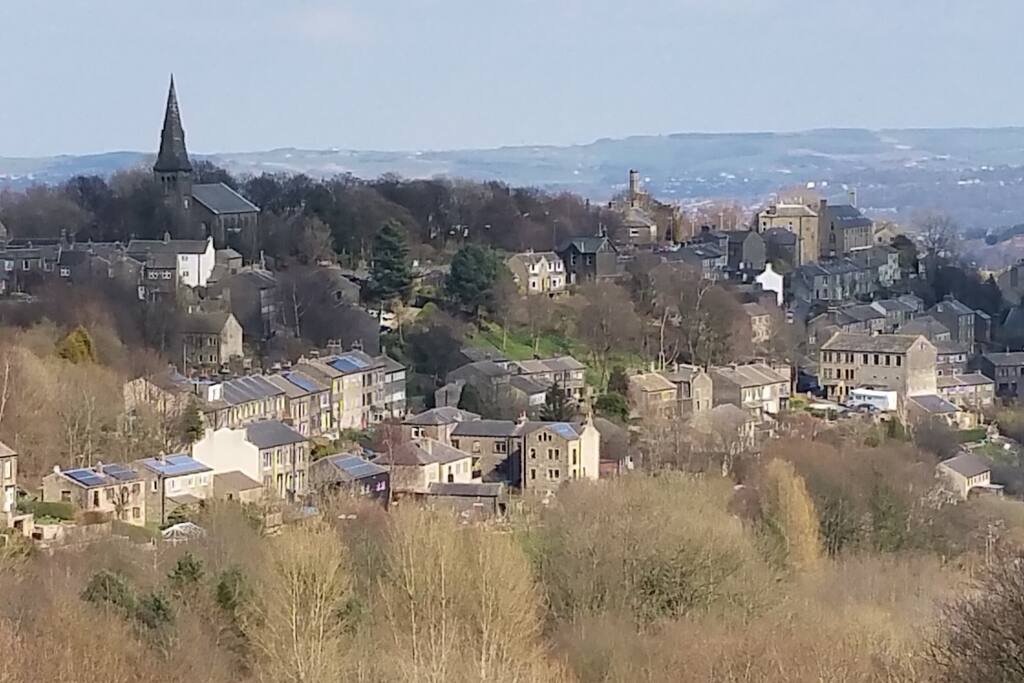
[(172, 168)]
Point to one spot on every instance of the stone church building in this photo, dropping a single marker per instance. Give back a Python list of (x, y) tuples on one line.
[(216, 208)]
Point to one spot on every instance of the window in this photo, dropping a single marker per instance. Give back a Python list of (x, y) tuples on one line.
[(899, 361), (500, 447), (136, 513), (65, 271), (533, 475), (553, 474), (455, 443), (476, 446), (865, 359), (533, 453), (266, 459), (8, 470), (26, 264), (876, 359)]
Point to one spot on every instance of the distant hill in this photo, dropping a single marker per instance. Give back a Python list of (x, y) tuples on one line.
[(975, 174)]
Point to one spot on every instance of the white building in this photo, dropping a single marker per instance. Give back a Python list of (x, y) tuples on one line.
[(771, 281), (195, 258), (538, 272)]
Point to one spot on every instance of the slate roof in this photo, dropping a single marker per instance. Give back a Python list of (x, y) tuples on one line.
[(961, 380), (475, 354), (754, 375), (235, 481), (389, 364), (172, 157), (1005, 358), (531, 258), (486, 428), (422, 452), (947, 347), (173, 465), (633, 217), (465, 490), (755, 310), (440, 416), (271, 434), (588, 245), (780, 236), (791, 211), (484, 367), (934, 405), (542, 365), (924, 325), (528, 385), (244, 389), (893, 306), (296, 384), (681, 373), (566, 430), (954, 306), (6, 451), (167, 246), (967, 465), (860, 313), (846, 216), (345, 467), (651, 382), (204, 323), (220, 199), (880, 343)]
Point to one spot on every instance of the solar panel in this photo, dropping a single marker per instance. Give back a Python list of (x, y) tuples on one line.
[(120, 472), (564, 430), (301, 382), (85, 477), (344, 365)]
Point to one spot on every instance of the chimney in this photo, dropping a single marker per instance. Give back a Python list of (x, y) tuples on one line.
[(167, 237), (852, 194), (634, 183), (522, 419), (99, 467), (56, 469)]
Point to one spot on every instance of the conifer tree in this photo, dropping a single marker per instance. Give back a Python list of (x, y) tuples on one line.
[(390, 273), (557, 406), (77, 347)]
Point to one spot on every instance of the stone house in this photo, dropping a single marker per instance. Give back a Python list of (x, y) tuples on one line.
[(241, 401), (357, 383), (651, 394), (556, 452), (746, 251), (307, 402), (799, 220), (760, 321), (237, 487), (269, 452), (171, 482), (10, 518), (694, 387), (415, 465), (966, 472), (950, 357), (537, 272), (883, 260), (352, 474), (843, 228), (970, 391), (566, 371), (191, 261), (958, 319), (209, 339), (223, 213), (252, 295), (589, 258), (756, 387), (926, 326), (476, 500), (436, 423), (490, 443), (390, 403), (1006, 370), (112, 490), (901, 363)]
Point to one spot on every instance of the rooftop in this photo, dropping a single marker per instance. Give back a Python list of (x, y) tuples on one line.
[(651, 382), (1005, 358), (168, 246), (345, 467), (466, 490), (967, 465), (421, 452), (100, 475), (486, 428), (960, 380), (173, 465), (880, 343), (440, 416), (220, 199), (271, 434), (754, 375), (235, 481), (934, 405), (204, 323)]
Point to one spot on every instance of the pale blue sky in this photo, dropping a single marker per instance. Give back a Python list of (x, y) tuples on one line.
[(90, 75)]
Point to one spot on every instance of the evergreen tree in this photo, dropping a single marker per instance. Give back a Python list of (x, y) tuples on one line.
[(618, 383), (557, 406), (188, 571), (390, 274), (192, 427), (471, 281), (77, 346)]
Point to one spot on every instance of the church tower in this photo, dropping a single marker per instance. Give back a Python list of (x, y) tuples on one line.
[(172, 168)]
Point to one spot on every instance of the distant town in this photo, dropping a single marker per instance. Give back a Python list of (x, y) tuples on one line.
[(180, 345)]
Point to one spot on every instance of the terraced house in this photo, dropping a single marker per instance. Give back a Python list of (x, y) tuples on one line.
[(268, 451), (113, 490), (895, 362), (241, 401), (357, 382)]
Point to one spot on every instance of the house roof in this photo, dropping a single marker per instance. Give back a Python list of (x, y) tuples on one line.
[(271, 434), (945, 347), (933, 405), (587, 245), (754, 375), (755, 310), (440, 416), (345, 467), (389, 364), (893, 306), (566, 430), (252, 388), (859, 313), (780, 236), (485, 368), (924, 325), (348, 363), (633, 217), (167, 246), (953, 305), (235, 481), (6, 451), (486, 428), (880, 343), (961, 380), (1005, 358), (791, 211), (465, 490), (101, 475), (649, 382), (205, 323), (681, 373), (847, 216), (296, 384), (421, 452), (173, 465), (220, 199), (530, 258), (528, 385), (474, 354), (967, 465), (542, 365)]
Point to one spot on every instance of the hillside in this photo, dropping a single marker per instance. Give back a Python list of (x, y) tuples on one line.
[(974, 174)]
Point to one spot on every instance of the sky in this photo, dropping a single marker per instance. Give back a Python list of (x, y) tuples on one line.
[(84, 76)]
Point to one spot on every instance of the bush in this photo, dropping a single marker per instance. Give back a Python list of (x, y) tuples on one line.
[(612, 405), (61, 511)]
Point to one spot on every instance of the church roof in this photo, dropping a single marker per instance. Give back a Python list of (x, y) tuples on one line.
[(221, 199), (173, 157)]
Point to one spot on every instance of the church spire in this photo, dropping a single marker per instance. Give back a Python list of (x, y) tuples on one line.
[(173, 157)]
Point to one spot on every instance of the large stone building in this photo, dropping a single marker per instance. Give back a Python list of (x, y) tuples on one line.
[(894, 362), (220, 211)]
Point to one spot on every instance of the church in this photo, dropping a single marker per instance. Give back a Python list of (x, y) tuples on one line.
[(217, 209)]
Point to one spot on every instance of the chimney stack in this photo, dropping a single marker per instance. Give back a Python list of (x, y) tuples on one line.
[(852, 194), (634, 183)]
